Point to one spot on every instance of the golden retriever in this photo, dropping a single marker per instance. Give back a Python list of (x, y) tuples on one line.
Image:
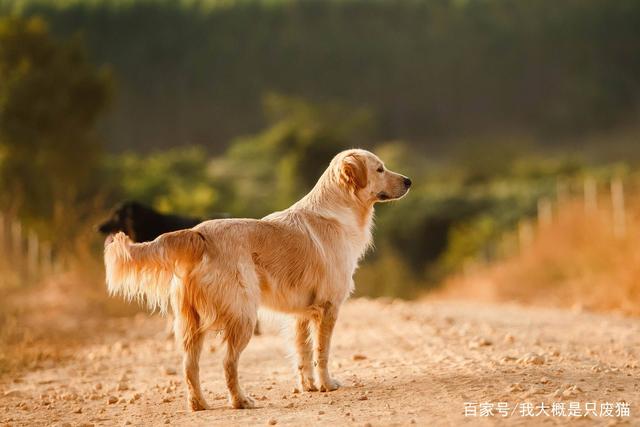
[(298, 261)]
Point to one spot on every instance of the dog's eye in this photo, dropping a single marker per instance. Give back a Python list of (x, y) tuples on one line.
[(380, 169)]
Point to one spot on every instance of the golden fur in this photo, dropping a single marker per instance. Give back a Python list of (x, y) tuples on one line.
[(298, 261)]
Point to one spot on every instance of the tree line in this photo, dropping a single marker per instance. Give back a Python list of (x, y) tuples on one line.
[(196, 72)]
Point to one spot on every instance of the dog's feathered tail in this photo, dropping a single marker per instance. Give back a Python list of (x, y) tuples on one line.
[(145, 270)]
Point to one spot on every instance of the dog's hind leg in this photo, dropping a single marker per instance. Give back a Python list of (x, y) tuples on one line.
[(190, 336), (238, 332), (304, 355), (324, 322)]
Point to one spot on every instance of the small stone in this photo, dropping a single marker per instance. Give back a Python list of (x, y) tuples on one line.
[(167, 370), (122, 386), (363, 397), (289, 406), (533, 391), (357, 357), (531, 359), (78, 410), (320, 412), (69, 396), (112, 399), (508, 338), (127, 423), (479, 342), (544, 380), (273, 422), (97, 387), (120, 345), (14, 393), (515, 388)]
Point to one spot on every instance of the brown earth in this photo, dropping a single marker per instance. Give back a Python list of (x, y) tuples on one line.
[(400, 364)]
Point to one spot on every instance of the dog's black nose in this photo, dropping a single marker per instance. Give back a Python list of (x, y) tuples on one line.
[(407, 182)]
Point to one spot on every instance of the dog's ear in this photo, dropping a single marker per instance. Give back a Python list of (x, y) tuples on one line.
[(353, 171)]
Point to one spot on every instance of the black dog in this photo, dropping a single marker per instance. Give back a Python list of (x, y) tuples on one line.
[(143, 224)]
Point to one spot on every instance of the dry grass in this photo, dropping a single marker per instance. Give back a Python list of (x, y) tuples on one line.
[(576, 261), (43, 322)]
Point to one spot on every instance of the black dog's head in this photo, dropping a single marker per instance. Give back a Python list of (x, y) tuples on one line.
[(122, 219)]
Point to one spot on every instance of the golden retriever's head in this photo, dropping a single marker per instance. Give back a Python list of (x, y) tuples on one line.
[(364, 175)]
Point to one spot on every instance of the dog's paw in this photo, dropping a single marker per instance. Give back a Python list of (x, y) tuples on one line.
[(310, 387), (306, 384), (243, 402), (198, 405), (330, 385)]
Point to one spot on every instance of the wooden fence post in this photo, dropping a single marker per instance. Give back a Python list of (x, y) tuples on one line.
[(3, 234), (16, 239), (525, 234), (618, 211), (32, 254), (590, 195), (562, 191), (545, 212), (46, 258)]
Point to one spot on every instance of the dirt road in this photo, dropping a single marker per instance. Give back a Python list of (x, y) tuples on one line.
[(400, 364)]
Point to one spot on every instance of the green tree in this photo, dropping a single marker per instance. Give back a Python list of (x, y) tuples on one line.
[(173, 181), (433, 71), (273, 168), (51, 97)]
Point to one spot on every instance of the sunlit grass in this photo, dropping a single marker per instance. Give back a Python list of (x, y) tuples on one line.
[(576, 261)]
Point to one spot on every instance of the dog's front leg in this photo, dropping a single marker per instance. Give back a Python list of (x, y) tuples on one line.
[(304, 354), (325, 321)]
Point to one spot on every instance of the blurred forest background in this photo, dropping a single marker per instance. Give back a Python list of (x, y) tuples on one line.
[(510, 116)]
